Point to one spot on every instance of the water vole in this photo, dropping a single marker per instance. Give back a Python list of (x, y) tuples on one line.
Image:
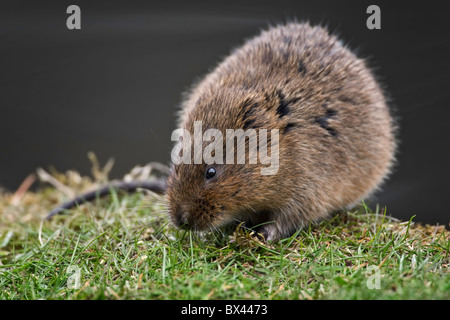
[(336, 139), (336, 134)]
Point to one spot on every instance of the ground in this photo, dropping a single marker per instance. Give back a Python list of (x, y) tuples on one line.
[(123, 247)]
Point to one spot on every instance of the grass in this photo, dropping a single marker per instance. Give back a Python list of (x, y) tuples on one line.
[(124, 248)]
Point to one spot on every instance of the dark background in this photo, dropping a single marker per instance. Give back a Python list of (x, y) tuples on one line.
[(113, 87)]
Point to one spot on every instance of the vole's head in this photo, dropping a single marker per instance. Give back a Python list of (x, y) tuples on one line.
[(207, 193), (203, 197)]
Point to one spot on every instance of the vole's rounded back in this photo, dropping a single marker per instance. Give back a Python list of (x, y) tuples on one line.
[(336, 135)]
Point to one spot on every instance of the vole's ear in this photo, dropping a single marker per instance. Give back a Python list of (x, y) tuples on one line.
[(275, 110), (284, 104), (268, 112), (250, 115)]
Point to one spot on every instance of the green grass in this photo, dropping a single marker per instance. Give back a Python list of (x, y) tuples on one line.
[(125, 248)]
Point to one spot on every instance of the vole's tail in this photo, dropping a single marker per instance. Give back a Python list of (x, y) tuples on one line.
[(157, 186)]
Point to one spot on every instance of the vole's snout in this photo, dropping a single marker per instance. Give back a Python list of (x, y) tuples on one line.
[(188, 218), (178, 217)]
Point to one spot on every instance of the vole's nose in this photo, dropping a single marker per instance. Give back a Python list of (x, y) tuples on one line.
[(178, 216)]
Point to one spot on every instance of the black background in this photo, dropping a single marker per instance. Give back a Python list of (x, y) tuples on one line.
[(113, 87)]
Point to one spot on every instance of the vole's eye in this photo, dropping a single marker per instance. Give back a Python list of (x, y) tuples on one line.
[(210, 172)]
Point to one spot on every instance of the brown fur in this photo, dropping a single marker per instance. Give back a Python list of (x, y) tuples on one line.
[(336, 133)]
